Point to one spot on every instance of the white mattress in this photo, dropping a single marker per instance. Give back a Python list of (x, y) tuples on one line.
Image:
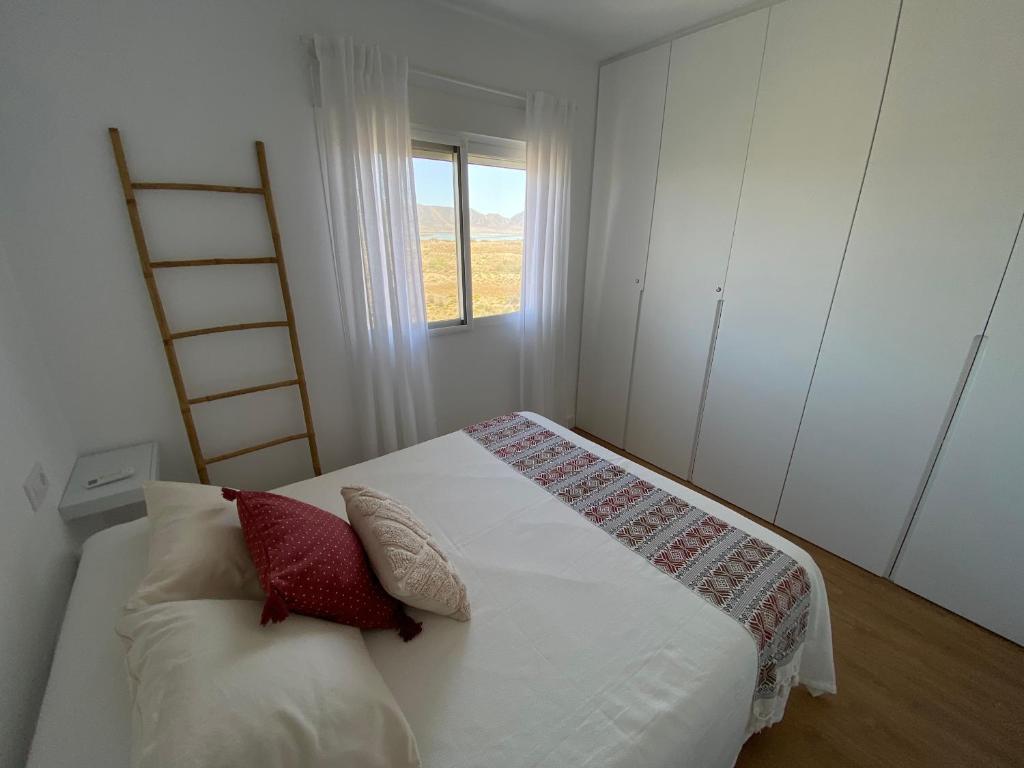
[(579, 653)]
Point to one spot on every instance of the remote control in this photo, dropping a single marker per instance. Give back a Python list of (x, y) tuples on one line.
[(110, 477)]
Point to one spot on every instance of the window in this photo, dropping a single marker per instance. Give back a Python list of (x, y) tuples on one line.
[(470, 197), (438, 175)]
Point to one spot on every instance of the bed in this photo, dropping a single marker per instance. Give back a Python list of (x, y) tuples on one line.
[(579, 653)]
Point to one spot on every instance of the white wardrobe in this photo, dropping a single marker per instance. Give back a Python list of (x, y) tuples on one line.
[(829, 215), (964, 546), (821, 87), (937, 219), (630, 109), (708, 113)]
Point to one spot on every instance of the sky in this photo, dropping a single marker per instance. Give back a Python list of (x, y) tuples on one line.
[(491, 190)]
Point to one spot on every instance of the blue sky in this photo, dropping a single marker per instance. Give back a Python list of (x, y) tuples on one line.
[(491, 190)]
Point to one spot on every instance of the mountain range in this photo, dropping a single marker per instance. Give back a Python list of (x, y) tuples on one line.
[(438, 219)]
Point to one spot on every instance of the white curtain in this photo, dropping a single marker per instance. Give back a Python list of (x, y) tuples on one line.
[(543, 369), (362, 117)]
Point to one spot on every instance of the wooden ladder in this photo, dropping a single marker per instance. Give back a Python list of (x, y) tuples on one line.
[(170, 337)]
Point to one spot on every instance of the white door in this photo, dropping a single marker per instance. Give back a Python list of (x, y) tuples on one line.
[(965, 544), (937, 219), (631, 105), (824, 72), (708, 111)]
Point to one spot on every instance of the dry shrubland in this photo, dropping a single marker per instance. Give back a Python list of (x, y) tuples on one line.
[(497, 266)]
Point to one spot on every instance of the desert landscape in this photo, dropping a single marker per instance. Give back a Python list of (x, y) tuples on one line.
[(497, 266), (496, 256)]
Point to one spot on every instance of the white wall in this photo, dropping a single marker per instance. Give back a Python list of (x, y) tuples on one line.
[(36, 557), (191, 84)]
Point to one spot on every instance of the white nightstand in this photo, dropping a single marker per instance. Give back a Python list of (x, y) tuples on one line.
[(115, 502)]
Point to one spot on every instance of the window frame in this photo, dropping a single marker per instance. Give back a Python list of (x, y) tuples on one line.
[(507, 153), (458, 155)]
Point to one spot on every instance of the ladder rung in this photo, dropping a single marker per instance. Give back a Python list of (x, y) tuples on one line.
[(260, 447), (225, 328), (197, 187), (210, 262), (243, 391)]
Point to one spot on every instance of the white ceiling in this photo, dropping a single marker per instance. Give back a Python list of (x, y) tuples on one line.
[(607, 27)]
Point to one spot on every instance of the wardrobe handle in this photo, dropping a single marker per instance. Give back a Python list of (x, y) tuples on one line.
[(973, 352), (704, 390), (961, 384), (966, 370)]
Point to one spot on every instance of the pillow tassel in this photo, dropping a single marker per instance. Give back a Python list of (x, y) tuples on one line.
[(407, 628), (274, 609), (229, 494)]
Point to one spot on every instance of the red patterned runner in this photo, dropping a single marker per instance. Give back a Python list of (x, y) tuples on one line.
[(759, 586)]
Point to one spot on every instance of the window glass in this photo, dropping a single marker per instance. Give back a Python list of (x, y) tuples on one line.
[(479, 254), (436, 172), (497, 199)]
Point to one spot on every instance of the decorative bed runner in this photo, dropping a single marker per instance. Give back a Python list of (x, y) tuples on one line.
[(756, 584)]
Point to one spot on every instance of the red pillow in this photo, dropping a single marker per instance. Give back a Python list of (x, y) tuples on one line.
[(311, 562)]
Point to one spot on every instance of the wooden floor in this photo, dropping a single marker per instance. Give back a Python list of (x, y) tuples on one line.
[(918, 685)]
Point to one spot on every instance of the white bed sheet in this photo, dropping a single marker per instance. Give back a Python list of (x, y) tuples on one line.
[(579, 653), (85, 720)]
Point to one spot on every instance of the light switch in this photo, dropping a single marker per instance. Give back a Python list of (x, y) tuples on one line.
[(36, 485)]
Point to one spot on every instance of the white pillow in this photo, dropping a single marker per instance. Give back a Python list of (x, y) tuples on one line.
[(196, 548), (406, 558), (211, 689)]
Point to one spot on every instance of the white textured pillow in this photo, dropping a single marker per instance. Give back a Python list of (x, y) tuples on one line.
[(408, 562), (196, 548), (211, 689)]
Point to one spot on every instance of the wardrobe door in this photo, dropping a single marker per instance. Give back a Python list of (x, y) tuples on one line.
[(965, 544), (936, 222), (631, 104), (710, 103), (824, 71)]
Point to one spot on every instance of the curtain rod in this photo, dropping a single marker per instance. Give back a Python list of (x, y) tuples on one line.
[(467, 84), (308, 40)]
